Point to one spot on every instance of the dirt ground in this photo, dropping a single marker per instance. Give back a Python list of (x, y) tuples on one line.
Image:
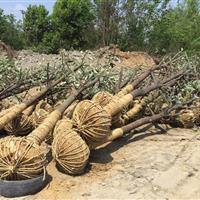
[(132, 59), (147, 165)]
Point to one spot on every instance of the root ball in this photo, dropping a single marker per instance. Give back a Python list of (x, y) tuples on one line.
[(20, 159), (91, 121), (70, 152)]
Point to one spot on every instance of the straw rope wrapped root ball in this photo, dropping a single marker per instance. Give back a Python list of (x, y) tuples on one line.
[(23, 158), (17, 121), (41, 112), (186, 119), (103, 98), (91, 121), (20, 159), (61, 125), (70, 152), (38, 117), (21, 125)]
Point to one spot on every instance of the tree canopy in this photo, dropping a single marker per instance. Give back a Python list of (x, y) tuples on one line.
[(35, 24), (156, 26), (71, 19), (10, 31)]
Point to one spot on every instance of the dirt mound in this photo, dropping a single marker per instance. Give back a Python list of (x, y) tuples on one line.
[(133, 59)]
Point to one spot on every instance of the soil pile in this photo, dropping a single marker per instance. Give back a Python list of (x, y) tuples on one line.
[(133, 59), (102, 56)]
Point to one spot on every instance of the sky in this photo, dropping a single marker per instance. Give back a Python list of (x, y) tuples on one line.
[(15, 6)]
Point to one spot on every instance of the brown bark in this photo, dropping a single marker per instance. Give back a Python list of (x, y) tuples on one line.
[(141, 122)]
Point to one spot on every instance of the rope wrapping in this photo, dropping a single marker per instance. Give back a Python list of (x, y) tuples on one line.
[(91, 121), (61, 125), (38, 117), (104, 98), (19, 126), (70, 152), (20, 159)]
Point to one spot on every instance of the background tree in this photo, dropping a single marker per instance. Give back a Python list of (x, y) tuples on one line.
[(154, 26), (11, 31), (177, 28), (35, 23), (71, 19), (138, 22), (108, 21)]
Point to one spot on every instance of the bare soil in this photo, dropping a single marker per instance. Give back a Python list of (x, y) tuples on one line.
[(133, 59), (148, 165)]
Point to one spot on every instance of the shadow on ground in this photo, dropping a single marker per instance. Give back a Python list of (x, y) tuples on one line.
[(103, 155)]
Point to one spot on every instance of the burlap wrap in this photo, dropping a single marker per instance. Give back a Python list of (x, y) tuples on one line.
[(117, 104), (116, 133), (127, 89), (103, 99), (43, 130), (131, 113)]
